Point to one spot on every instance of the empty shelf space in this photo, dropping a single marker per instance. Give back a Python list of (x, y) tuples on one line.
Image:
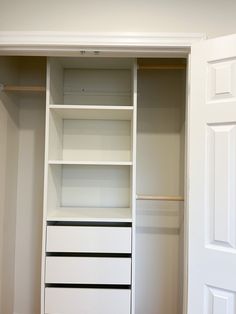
[(96, 163), (97, 84), (85, 186), (89, 141), (93, 112), (90, 214)]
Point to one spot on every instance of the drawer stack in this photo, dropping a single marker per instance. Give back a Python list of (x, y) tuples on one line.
[(89, 187), (88, 268)]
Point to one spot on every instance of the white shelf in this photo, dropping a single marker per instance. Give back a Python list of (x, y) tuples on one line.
[(95, 163), (93, 112), (90, 214)]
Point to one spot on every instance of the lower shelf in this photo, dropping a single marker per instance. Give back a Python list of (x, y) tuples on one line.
[(90, 214)]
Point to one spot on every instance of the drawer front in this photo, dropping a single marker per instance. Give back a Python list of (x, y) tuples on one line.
[(89, 239), (88, 270), (87, 301)]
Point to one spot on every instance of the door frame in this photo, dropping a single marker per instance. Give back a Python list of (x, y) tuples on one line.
[(96, 44), (71, 44)]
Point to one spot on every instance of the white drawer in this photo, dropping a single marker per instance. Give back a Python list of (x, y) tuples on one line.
[(88, 239), (88, 270), (87, 301)]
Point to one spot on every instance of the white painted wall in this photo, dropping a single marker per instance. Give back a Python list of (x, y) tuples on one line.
[(29, 209), (160, 171), (9, 140), (8, 204), (22, 120), (211, 17), (30, 182)]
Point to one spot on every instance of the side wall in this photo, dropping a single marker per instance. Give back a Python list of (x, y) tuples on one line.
[(22, 120), (9, 139), (30, 208), (30, 189)]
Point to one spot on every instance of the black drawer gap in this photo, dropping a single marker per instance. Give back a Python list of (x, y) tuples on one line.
[(86, 286), (89, 224), (75, 254)]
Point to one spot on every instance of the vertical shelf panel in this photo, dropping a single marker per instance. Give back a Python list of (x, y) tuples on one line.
[(133, 190)]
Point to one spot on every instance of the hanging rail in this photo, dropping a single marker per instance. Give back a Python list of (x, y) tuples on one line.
[(18, 88), (159, 198), (163, 67)]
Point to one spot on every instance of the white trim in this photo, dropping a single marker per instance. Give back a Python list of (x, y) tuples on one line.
[(134, 173), (68, 43)]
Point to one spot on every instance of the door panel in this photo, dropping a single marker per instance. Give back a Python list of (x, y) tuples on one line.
[(221, 161), (219, 301), (212, 178)]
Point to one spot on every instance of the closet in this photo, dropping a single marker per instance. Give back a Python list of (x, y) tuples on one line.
[(117, 174), (93, 167)]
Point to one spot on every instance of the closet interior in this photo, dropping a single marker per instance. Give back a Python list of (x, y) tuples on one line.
[(92, 169), (22, 133), (159, 253)]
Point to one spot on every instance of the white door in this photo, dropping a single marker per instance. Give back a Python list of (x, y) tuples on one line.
[(212, 178)]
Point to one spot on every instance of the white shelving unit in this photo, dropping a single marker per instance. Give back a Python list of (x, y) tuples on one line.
[(89, 166)]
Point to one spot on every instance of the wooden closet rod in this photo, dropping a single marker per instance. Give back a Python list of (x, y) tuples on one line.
[(162, 67), (159, 198), (18, 88)]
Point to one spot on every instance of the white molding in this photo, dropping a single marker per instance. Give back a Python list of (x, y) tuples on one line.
[(68, 43)]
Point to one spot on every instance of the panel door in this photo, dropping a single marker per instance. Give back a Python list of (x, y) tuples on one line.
[(212, 178)]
